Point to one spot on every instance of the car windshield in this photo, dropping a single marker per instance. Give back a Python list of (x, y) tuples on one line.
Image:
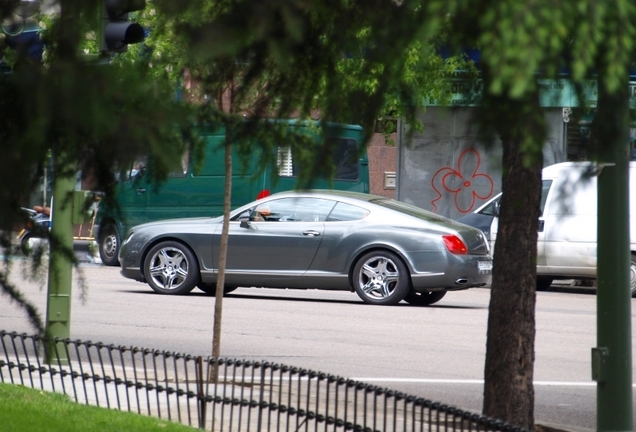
[(491, 209), (409, 209)]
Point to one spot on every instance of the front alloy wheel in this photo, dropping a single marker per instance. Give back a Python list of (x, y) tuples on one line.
[(171, 268), (381, 278)]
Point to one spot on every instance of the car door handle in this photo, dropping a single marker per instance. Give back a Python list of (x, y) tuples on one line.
[(141, 191), (311, 233)]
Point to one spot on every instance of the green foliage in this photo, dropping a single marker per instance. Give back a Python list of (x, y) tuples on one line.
[(347, 62), (521, 40), (97, 118)]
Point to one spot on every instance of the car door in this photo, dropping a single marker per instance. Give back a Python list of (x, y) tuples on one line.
[(275, 240), (570, 225)]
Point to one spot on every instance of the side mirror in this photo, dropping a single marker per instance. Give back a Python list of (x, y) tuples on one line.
[(245, 222), (495, 208)]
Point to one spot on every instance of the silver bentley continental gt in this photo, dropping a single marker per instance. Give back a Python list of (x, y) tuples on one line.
[(384, 250)]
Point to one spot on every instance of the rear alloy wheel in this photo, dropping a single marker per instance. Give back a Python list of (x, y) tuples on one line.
[(109, 243), (171, 268), (424, 298), (210, 289), (381, 278)]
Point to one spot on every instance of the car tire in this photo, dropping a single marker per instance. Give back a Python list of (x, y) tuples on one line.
[(543, 283), (109, 244), (426, 298), (381, 278), (210, 289), (171, 268), (632, 275)]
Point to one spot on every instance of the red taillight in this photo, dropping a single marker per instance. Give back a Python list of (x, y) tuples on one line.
[(262, 194), (454, 244)]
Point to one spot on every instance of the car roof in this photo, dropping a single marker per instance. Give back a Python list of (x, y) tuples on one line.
[(377, 202), (329, 193)]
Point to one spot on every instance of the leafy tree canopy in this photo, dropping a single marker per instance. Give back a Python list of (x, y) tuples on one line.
[(332, 60)]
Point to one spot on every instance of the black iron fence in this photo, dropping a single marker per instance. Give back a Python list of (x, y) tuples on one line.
[(222, 394)]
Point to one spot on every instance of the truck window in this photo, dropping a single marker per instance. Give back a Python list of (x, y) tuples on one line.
[(183, 167)]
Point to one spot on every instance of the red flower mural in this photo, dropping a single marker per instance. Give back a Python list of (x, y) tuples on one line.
[(466, 182)]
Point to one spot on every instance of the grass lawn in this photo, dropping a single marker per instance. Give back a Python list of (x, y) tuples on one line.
[(26, 409)]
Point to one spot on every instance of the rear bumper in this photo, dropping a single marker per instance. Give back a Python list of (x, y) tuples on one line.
[(465, 273)]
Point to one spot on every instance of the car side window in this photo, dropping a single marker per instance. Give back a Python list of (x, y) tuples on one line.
[(301, 209), (347, 212)]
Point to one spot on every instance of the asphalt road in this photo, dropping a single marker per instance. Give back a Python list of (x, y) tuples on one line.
[(435, 352)]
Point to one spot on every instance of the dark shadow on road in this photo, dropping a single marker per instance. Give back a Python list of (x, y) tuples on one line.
[(353, 301)]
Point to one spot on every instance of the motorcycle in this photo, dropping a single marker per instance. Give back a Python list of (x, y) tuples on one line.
[(36, 228)]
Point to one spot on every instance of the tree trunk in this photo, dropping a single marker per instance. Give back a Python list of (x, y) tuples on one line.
[(509, 368), (220, 282), (225, 101)]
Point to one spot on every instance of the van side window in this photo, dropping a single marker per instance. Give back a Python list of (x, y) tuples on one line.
[(184, 166), (346, 160), (284, 162)]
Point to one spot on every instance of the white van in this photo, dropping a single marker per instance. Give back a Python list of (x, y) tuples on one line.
[(567, 226)]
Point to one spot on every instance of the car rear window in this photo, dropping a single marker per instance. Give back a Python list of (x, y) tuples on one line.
[(410, 210), (346, 212)]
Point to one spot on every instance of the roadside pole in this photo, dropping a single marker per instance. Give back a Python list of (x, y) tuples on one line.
[(58, 306), (115, 32), (612, 359)]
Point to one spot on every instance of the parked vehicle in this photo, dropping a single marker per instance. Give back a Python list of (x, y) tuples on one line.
[(190, 194), (36, 228), (567, 227), (384, 250)]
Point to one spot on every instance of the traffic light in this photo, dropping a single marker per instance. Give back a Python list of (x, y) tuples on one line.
[(117, 30)]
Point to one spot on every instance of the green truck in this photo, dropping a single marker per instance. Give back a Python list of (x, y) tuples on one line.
[(187, 193)]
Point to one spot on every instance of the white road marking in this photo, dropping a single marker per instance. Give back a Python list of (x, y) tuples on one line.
[(469, 381)]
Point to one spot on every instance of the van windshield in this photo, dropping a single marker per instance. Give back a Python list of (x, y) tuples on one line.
[(545, 188), (492, 209)]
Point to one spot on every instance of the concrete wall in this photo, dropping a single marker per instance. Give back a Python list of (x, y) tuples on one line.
[(446, 170)]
